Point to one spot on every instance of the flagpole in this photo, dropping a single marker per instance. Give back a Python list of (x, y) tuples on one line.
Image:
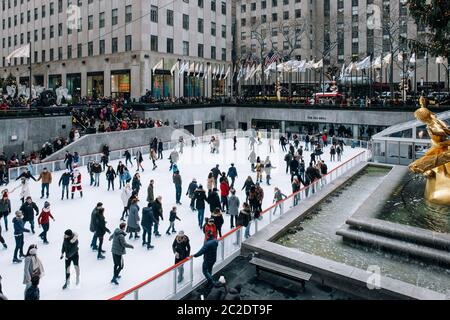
[(31, 74), (426, 72)]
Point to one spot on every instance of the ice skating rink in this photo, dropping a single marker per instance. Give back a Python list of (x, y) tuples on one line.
[(140, 264)]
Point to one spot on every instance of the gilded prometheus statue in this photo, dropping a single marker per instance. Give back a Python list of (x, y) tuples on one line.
[(435, 164)]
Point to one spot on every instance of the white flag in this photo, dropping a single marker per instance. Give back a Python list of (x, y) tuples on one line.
[(183, 68), (228, 72), (175, 67), (350, 68), (250, 73), (222, 72), (387, 59), (22, 52), (318, 65), (377, 63), (342, 71), (191, 68), (364, 64), (159, 65), (413, 58), (400, 57), (207, 72), (439, 60)]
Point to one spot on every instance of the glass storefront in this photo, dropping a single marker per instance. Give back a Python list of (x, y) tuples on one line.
[(120, 83), (193, 86), (54, 81), (95, 84), (218, 87), (38, 80), (73, 84), (162, 85)]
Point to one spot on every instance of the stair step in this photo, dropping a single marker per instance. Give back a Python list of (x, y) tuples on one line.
[(412, 249)]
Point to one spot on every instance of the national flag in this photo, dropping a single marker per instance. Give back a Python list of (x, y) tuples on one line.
[(271, 57)]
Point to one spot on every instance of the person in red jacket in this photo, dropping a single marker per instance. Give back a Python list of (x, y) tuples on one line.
[(44, 221), (210, 227), (224, 192)]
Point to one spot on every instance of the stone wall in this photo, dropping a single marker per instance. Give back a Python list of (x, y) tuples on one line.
[(31, 133)]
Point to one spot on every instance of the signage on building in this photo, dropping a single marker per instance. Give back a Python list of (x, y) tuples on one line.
[(316, 118)]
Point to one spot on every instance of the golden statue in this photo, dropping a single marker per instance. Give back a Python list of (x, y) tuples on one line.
[(435, 164)]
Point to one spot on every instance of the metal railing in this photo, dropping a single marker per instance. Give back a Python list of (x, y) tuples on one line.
[(165, 285)]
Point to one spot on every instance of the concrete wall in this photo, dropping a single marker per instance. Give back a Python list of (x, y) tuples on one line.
[(234, 115), (31, 132), (91, 144)]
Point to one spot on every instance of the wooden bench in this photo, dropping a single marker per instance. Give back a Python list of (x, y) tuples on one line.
[(281, 270)]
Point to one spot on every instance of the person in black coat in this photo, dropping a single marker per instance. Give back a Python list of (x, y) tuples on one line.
[(158, 214), (213, 200), (209, 253), (26, 174), (191, 192), (247, 186), (64, 182), (294, 167), (100, 230), (33, 293), (199, 201), (147, 222), (216, 172), (219, 290), (182, 249), (234, 294), (27, 209)]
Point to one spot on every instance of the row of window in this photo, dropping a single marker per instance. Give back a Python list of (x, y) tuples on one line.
[(154, 46), (286, 16), (264, 5)]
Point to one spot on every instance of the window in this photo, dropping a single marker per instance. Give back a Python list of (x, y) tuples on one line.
[(185, 22), (200, 49), (213, 5), (52, 8), (224, 54), (154, 14), (114, 45), (90, 22), (154, 43), (79, 50), (200, 25), (128, 14), (274, 17), (90, 49), (224, 8), (169, 45), (60, 53), (52, 32), (69, 52), (213, 52), (185, 48), (60, 30), (169, 17), (224, 31), (128, 43), (101, 20), (101, 47), (213, 29), (114, 17)]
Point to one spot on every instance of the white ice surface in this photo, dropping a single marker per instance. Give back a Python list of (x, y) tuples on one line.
[(140, 264)]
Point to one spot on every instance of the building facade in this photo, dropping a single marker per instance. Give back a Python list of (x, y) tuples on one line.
[(338, 31), (110, 47)]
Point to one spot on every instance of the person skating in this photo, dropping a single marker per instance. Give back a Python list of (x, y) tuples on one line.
[(151, 192), (104, 160), (182, 249), (28, 215), (213, 200), (32, 267), (19, 229), (216, 172), (44, 221), (68, 160), (119, 172), (69, 251), (158, 214), (139, 160), (100, 231), (252, 159), (93, 225), (278, 196), (232, 173), (118, 250), (110, 176), (2, 240), (224, 192), (136, 183), (2, 296), (64, 182), (76, 182), (172, 217), (33, 292), (96, 169), (218, 220), (294, 167), (173, 157), (210, 182), (245, 218), (268, 170), (127, 156), (209, 252), (234, 143), (153, 157), (5, 208), (233, 207), (176, 178), (134, 219), (24, 189), (125, 196), (191, 192), (147, 222), (210, 228), (199, 200), (247, 186), (125, 177), (160, 150), (46, 178), (333, 153)]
